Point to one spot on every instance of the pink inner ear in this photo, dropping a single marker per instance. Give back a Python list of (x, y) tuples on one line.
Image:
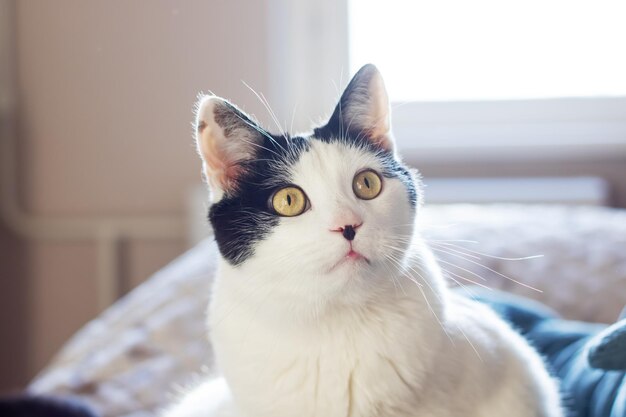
[(223, 175), (383, 141), (230, 176), (221, 172)]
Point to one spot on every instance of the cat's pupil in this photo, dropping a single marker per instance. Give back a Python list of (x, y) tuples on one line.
[(288, 199), (366, 181)]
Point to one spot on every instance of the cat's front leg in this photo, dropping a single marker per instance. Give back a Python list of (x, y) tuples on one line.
[(210, 399)]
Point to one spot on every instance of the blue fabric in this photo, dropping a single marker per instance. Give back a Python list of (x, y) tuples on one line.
[(589, 359), (607, 350)]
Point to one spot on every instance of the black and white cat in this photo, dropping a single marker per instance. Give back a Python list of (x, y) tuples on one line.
[(327, 303)]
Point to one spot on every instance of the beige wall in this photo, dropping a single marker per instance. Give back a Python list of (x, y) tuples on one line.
[(114, 82), (105, 92)]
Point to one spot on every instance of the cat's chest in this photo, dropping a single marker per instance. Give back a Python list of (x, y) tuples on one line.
[(342, 371)]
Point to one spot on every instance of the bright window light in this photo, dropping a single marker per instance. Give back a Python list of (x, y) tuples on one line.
[(440, 50)]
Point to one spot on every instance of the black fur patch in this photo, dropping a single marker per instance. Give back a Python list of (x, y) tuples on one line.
[(243, 217)]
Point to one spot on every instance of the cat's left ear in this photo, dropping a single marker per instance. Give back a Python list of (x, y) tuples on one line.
[(363, 109), (227, 139)]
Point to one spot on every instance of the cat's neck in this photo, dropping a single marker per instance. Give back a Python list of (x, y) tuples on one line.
[(259, 339)]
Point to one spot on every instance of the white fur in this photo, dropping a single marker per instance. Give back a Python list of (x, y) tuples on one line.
[(295, 337)]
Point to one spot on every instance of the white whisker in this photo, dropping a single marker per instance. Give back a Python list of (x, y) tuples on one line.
[(495, 272), (524, 258), (263, 101)]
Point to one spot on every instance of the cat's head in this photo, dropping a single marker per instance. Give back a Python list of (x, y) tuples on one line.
[(319, 211)]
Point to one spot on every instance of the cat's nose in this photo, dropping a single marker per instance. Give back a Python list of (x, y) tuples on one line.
[(348, 231)]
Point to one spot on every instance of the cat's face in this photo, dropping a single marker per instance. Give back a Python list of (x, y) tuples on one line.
[(321, 214)]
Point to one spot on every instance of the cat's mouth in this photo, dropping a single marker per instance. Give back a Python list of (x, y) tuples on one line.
[(352, 257)]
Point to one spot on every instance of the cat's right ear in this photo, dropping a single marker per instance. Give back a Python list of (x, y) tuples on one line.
[(363, 109), (226, 138)]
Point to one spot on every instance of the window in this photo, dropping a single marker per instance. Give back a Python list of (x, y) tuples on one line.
[(502, 75)]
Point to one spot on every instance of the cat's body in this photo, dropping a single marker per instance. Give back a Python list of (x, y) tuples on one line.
[(340, 309)]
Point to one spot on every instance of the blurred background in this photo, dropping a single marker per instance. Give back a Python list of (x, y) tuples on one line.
[(503, 101)]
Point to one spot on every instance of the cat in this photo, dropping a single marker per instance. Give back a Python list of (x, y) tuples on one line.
[(327, 302)]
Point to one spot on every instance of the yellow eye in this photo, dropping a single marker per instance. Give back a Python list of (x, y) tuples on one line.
[(289, 201), (367, 184)]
